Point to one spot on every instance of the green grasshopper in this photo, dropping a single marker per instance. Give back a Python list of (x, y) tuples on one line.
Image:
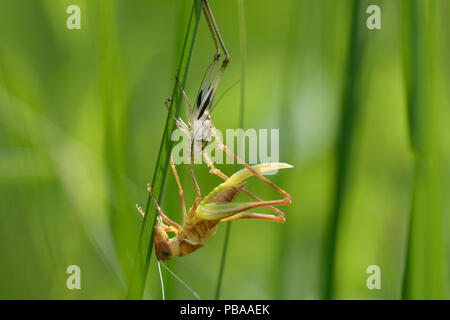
[(200, 222)]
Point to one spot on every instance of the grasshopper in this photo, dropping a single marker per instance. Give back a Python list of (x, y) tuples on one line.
[(200, 222)]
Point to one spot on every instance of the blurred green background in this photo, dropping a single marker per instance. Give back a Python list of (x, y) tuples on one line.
[(363, 116)]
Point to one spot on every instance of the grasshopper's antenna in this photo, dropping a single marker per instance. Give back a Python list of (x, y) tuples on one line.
[(181, 281), (223, 94), (162, 282)]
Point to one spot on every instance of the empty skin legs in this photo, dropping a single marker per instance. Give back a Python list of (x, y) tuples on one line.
[(225, 149)]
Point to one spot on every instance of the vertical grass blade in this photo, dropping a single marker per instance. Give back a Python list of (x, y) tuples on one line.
[(114, 103), (424, 266), (288, 86), (222, 260), (145, 246), (243, 45), (349, 116)]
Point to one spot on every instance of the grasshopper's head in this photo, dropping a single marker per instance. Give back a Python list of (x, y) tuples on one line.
[(163, 245)]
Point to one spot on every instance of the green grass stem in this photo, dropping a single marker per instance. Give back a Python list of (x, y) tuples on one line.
[(243, 48), (145, 246), (349, 116), (425, 259)]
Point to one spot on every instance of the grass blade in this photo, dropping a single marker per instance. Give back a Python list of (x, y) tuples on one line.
[(289, 86), (425, 259), (145, 247), (243, 48), (349, 116)]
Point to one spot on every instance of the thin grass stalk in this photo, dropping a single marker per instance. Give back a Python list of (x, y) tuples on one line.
[(183, 8), (113, 94), (347, 125), (145, 246), (243, 49), (222, 261), (288, 86), (424, 276)]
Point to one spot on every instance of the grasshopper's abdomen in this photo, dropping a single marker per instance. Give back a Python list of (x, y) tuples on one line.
[(198, 231), (223, 193), (227, 194)]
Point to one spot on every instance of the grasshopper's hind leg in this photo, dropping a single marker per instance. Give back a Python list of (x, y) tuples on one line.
[(225, 149), (215, 33), (280, 214), (226, 211), (217, 38), (251, 215)]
